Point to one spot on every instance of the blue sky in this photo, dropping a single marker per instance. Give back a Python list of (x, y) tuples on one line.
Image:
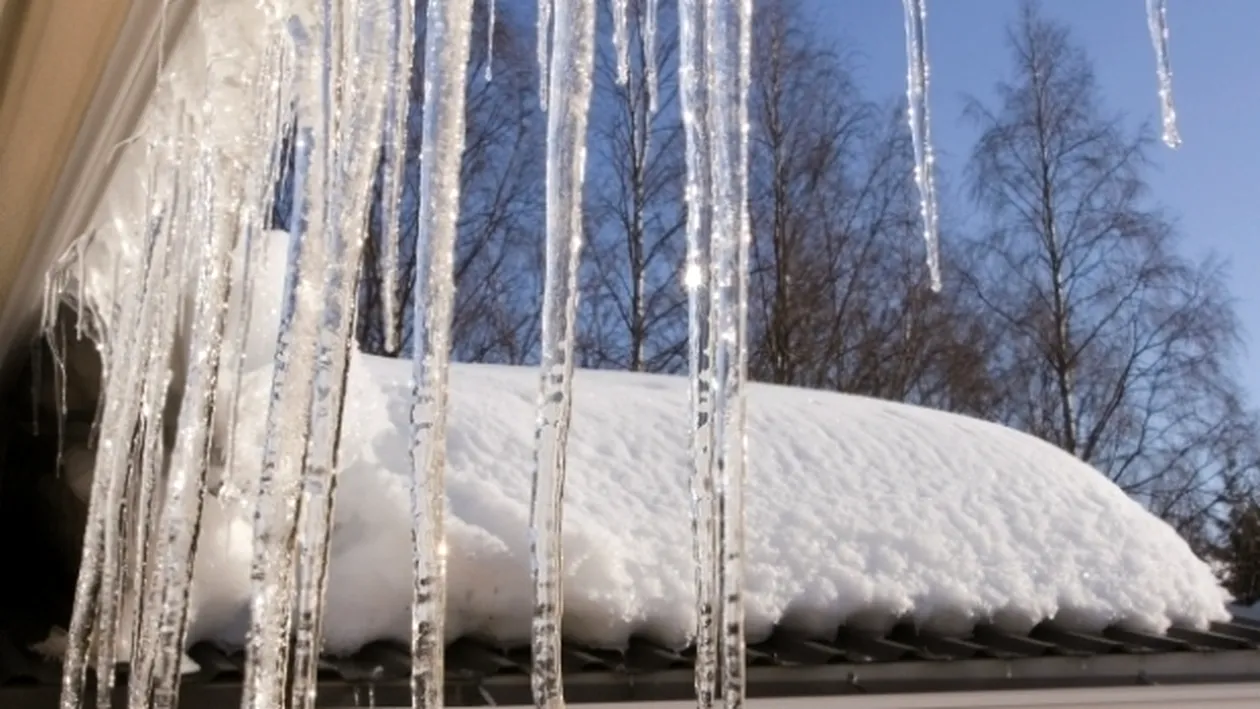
[(1210, 185)]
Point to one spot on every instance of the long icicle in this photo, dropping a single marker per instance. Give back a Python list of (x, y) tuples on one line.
[(921, 131), (1157, 22), (397, 122), (288, 423), (185, 488), (696, 280), (723, 27), (352, 143), (571, 78), (736, 464), (446, 54)]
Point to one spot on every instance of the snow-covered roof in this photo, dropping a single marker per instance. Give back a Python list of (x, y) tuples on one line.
[(860, 512)]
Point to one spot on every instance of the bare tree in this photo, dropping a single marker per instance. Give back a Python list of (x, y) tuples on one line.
[(1111, 345), (497, 260), (839, 296), (633, 305)]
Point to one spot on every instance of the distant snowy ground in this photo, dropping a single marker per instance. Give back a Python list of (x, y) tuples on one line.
[(859, 511)]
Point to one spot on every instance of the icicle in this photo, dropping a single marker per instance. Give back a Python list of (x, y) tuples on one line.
[(621, 40), (571, 77), (442, 145), (1157, 21), (734, 657), (122, 392), (715, 73), (288, 423), (338, 223), (274, 91), (544, 49), (185, 487), (144, 594), (397, 122), (921, 131), (696, 280), (649, 51), (287, 429), (490, 23), (724, 27)]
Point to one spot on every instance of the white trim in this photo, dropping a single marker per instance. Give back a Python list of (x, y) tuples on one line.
[(118, 102)]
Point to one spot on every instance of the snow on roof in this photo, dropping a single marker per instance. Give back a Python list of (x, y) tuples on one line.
[(859, 512)]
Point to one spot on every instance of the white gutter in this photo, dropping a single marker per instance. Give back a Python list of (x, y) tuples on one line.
[(1209, 696)]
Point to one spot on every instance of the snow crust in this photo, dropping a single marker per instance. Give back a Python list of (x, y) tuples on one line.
[(860, 512)]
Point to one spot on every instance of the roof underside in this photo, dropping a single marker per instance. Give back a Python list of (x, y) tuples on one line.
[(904, 660)]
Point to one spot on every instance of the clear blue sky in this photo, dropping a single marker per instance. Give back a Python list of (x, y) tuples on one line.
[(1211, 185)]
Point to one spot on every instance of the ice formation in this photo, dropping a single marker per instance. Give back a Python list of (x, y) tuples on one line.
[(1157, 22), (693, 93), (570, 76), (715, 64), (918, 114), (442, 145)]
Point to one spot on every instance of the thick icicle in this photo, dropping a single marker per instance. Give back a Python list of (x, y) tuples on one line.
[(696, 280), (288, 423), (274, 92), (723, 25), (715, 72), (397, 122), (571, 78), (621, 39), (287, 429), (185, 488), (346, 143), (446, 55), (921, 131), (1157, 21)]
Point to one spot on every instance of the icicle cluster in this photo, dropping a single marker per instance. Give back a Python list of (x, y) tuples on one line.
[(1157, 21), (715, 75), (209, 191), (921, 131), (145, 506)]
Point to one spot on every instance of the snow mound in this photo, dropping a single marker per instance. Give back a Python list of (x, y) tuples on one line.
[(860, 512)]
